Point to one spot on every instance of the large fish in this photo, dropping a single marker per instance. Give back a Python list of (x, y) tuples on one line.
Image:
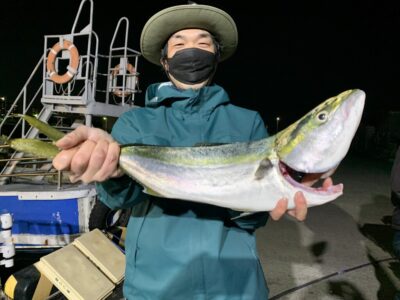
[(253, 176)]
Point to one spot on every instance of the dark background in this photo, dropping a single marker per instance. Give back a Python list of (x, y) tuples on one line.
[(291, 56)]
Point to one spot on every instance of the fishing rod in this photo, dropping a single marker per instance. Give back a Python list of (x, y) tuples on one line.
[(341, 272)]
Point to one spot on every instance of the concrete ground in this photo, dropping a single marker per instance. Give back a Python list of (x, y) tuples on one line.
[(336, 252)]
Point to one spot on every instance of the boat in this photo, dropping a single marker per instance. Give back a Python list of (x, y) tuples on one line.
[(72, 84)]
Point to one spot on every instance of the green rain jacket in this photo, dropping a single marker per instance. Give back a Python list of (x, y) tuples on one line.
[(180, 249)]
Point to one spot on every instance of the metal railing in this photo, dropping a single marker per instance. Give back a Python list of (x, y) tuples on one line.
[(22, 98), (34, 161)]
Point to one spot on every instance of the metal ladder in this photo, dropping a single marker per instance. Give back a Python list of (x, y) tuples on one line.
[(81, 95)]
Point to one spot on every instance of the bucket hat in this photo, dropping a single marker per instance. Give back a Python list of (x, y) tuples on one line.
[(166, 22)]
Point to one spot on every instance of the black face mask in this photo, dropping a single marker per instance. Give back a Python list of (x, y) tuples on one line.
[(192, 65)]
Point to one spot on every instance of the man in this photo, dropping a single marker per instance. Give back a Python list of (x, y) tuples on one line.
[(179, 249)]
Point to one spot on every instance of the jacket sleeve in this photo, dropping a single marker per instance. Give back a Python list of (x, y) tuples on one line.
[(121, 192), (395, 190), (256, 220)]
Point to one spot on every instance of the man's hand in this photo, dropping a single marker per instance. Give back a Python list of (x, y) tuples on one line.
[(300, 210), (89, 154)]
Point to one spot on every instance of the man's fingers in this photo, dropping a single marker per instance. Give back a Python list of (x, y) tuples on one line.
[(81, 134), (63, 159), (73, 178), (110, 166), (81, 158), (74, 138), (85, 153), (327, 183), (300, 210), (279, 209), (96, 161)]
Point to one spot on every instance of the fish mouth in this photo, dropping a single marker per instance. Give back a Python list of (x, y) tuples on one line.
[(294, 178)]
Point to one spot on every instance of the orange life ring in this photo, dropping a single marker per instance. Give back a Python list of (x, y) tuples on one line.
[(72, 68), (119, 92)]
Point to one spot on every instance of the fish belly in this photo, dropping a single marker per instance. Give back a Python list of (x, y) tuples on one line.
[(230, 186)]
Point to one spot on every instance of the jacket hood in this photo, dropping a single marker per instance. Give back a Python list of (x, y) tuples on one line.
[(203, 100)]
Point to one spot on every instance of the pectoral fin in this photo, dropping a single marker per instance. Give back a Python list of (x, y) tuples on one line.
[(263, 169)]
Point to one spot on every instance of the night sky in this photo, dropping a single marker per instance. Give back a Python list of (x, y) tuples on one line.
[(291, 56)]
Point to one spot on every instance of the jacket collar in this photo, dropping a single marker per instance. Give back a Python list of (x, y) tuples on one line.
[(203, 100)]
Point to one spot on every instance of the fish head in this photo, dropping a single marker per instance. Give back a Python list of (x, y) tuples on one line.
[(319, 141)]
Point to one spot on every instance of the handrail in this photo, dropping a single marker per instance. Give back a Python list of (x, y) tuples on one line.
[(125, 55), (29, 174), (75, 98), (27, 158), (33, 160), (22, 94), (79, 13)]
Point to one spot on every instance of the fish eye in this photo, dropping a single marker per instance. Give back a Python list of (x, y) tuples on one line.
[(322, 116)]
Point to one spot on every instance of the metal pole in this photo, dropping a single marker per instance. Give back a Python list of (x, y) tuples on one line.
[(29, 174), (37, 160), (59, 179)]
